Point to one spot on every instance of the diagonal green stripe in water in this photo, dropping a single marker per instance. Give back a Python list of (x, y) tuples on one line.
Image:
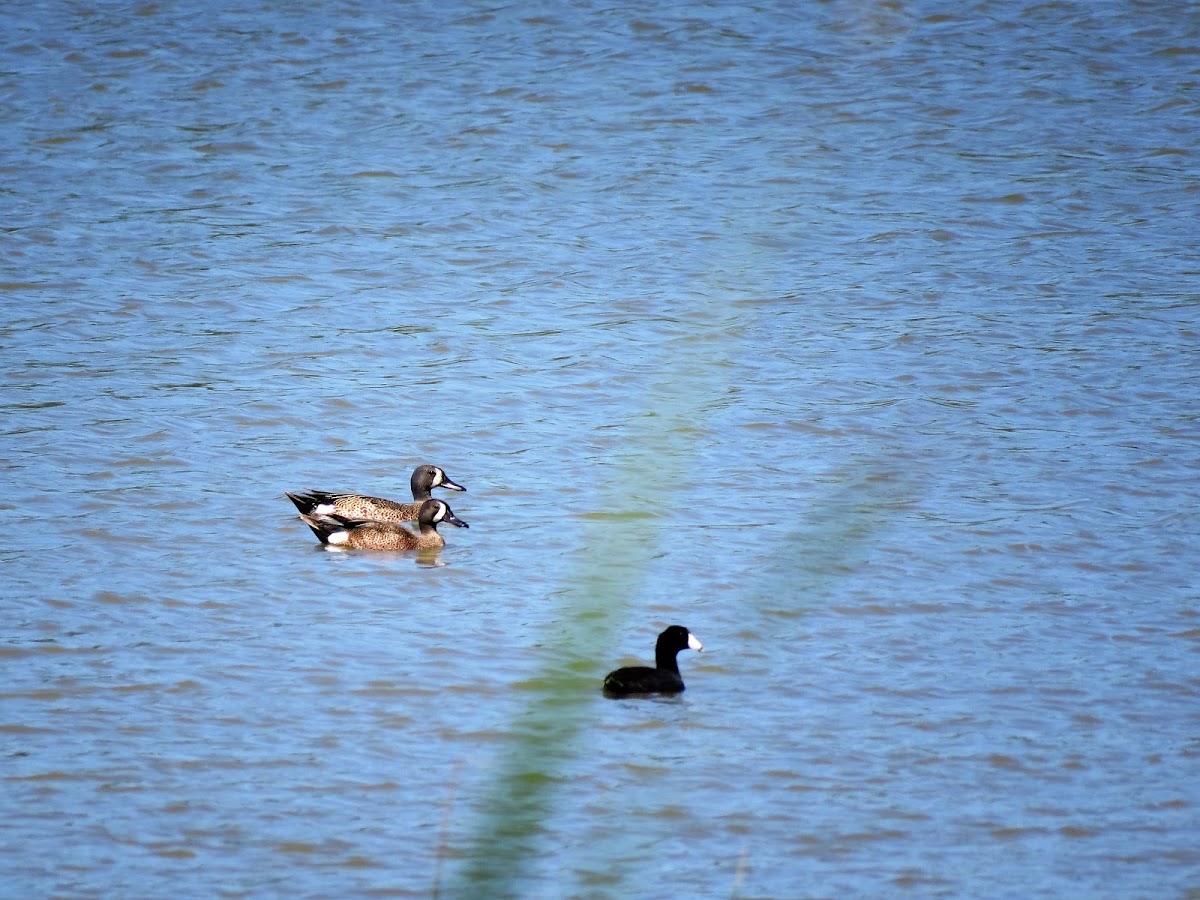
[(609, 572)]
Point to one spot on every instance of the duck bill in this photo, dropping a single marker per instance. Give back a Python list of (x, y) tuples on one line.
[(455, 520), (451, 486)]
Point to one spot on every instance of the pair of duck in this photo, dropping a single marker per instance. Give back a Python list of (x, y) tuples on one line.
[(359, 522)]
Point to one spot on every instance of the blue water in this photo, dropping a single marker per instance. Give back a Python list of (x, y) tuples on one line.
[(861, 340)]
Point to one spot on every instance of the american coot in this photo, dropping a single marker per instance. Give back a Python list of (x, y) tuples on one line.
[(357, 534), (375, 509), (664, 677)]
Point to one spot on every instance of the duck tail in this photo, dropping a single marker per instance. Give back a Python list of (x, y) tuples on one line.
[(322, 526), (304, 500)]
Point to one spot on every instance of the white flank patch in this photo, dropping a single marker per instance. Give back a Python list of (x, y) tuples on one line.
[(323, 509), (694, 642), (339, 537)]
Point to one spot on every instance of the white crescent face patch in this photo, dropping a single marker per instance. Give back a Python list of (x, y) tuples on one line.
[(438, 476), (694, 642)]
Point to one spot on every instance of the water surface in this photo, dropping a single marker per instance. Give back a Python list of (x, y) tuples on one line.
[(859, 339)]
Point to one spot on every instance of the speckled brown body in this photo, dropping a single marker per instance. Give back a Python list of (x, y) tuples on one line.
[(375, 509), (375, 535), (354, 534)]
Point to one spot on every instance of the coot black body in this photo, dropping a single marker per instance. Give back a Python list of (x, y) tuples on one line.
[(664, 678)]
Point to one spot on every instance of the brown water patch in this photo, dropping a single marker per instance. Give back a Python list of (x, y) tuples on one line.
[(41, 649), (15, 728), (1076, 831), (1015, 833), (885, 834), (174, 852)]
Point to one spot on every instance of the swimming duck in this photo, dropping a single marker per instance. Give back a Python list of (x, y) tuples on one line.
[(358, 534), (664, 677), (375, 509)]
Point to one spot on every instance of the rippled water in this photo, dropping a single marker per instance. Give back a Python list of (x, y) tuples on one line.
[(858, 338)]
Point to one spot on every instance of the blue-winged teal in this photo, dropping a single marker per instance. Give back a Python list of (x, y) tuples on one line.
[(375, 509), (664, 677), (357, 534)]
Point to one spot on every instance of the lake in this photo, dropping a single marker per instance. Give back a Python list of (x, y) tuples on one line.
[(860, 339)]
